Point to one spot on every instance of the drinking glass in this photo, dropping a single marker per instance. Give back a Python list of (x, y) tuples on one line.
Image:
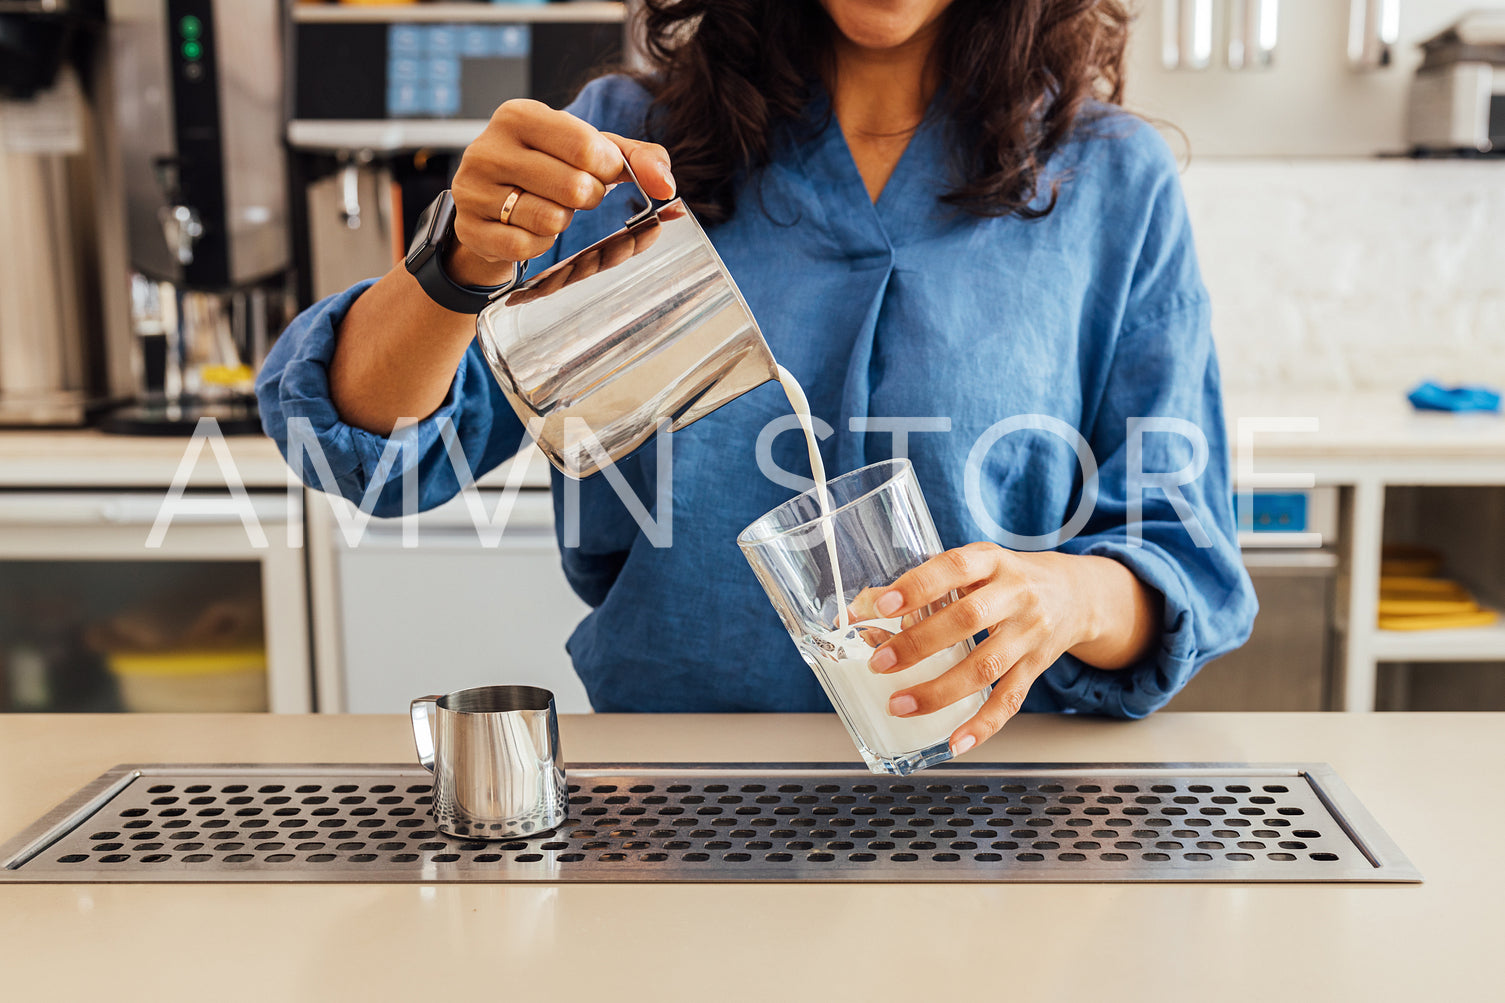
[(880, 528)]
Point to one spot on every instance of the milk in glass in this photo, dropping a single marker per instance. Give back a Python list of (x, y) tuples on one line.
[(841, 655)]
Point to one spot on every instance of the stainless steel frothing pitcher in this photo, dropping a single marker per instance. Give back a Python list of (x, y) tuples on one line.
[(494, 753), (642, 327)]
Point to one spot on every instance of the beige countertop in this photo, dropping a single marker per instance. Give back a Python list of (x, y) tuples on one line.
[(85, 458), (1416, 773), (1364, 435), (1359, 435)]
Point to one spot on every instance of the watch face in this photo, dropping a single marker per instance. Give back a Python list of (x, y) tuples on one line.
[(423, 234)]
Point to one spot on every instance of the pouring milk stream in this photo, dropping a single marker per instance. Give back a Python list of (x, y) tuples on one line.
[(846, 649), (801, 405)]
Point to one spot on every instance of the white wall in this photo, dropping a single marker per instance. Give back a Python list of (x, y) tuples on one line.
[(1309, 103), (1366, 275), (1330, 273)]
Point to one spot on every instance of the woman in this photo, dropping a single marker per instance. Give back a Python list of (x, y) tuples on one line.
[(934, 210)]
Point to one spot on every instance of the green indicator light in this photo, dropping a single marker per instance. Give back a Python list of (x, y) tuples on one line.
[(190, 27), (192, 50)]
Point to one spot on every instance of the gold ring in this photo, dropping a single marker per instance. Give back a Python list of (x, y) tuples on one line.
[(509, 205)]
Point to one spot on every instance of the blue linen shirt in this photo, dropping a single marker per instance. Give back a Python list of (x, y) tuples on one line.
[(904, 308)]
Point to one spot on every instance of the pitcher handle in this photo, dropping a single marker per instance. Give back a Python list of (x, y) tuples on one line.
[(423, 711), (650, 211)]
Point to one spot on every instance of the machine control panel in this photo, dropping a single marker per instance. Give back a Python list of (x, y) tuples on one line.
[(422, 75)]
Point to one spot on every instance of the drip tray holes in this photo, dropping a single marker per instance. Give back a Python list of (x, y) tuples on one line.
[(1175, 823)]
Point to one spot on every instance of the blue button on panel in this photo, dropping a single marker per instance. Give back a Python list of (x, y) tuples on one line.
[(441, 70), (405, 40), (475, 41), (443, 40), (512, 40), (406, 99), (443, 99), (1277, 512)]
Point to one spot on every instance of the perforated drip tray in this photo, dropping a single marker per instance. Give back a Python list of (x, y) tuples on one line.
[(778, 822)]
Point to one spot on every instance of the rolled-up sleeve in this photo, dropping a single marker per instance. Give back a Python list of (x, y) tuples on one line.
[(1164, 506), (1188, 551), (471, 432)]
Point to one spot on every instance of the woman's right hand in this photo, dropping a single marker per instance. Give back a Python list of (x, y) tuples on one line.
[(397, 350), (559, 163)]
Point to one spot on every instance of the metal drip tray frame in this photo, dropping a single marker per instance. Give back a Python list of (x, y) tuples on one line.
[(277, 823)]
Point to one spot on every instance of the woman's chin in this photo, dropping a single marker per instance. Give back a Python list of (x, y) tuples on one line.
[(883, 24)]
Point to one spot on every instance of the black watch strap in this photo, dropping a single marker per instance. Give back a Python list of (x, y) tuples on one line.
[(425, 261)]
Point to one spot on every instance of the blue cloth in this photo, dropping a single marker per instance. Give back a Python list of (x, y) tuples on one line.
[(1093, 316), (1428, 396)]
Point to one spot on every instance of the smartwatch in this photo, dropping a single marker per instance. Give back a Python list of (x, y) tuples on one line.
[(425, 261)]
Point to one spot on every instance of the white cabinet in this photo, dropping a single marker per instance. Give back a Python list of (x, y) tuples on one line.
[(396, 622), (94, 617)]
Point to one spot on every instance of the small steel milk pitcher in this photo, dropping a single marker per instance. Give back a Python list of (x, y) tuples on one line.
[(494, 754), (641, 327)]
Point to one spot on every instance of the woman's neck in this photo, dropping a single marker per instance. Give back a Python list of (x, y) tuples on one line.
[(879, 98)]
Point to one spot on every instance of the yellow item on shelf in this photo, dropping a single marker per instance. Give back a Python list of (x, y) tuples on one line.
[(1411, 598), (1439, 621), (228, 376), (216, 681), (1425, 607)]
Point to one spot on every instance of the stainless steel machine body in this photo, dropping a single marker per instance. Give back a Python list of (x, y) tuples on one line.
[(201, 111), (199, 104), (769, 822)]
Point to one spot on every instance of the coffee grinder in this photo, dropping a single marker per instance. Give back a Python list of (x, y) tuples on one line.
[(199, 111)]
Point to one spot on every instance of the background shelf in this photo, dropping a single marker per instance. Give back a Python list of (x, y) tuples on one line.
[(1459, 644)]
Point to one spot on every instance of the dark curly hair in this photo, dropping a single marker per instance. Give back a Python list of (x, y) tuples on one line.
[(725, 73)]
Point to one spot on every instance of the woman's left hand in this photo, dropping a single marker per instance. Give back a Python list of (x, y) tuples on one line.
[(1034, 606)]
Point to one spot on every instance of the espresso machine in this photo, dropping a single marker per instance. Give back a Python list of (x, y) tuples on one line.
[(199, 112)]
